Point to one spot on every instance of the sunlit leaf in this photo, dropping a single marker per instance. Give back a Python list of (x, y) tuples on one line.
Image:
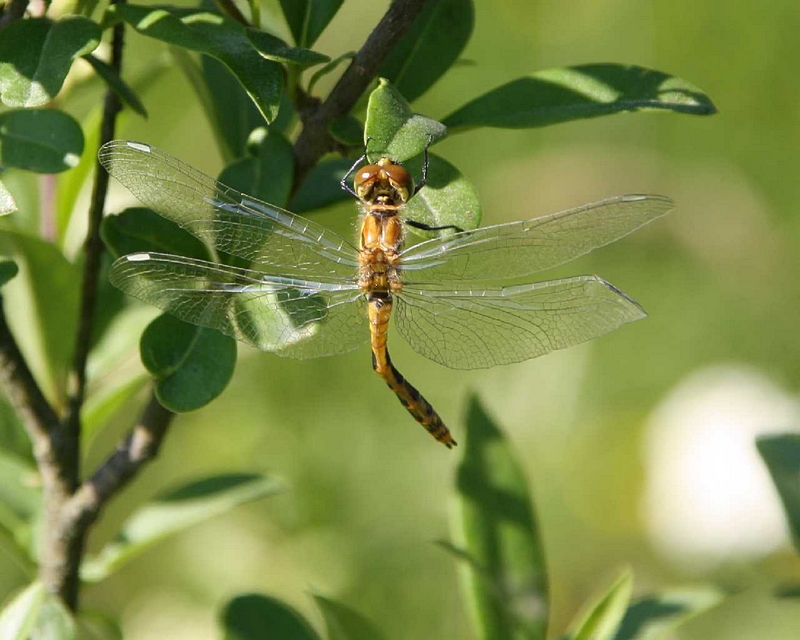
[(192, 365), (20, 497), (254, 616), (117, 84), (572, 93), (54, 621), (7, 204), (393, 129), (322, 187), (36, 54), (214, 35), (18, 617), (8, 269), (99, 409), (603, 613), (40, 140), (505, 584), (141, 229), (273, 48), (176, 511), (308, 18), (781, 453), (344, 623), (430, 47)]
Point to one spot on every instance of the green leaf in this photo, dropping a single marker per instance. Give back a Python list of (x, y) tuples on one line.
[(94, 625), (36, 54), (603, 614), (273, 48), (54, 621), (432, 45), (448, 198), (20, 497), (584, 91), (307, 19), (396, 131), (652, 617), (176, 511), (40, 140), (45, 299), (254, 616), (348, 130), (8, 269), (18, 617), (344, 623), (7, 204), (781, 453), (496, 527), (141, 229), (215, 36), (192, 365), (268, 171), (322, 186), (328, 68), (100, 408), (117, 84)]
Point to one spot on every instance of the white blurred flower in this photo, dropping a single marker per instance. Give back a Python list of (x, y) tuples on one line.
[(709, 498)]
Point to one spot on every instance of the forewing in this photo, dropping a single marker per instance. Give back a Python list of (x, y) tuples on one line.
[(479, 328), (291, 317), (274, 240), (521, 248)]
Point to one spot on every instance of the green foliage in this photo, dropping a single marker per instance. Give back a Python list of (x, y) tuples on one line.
[(20, 498), (572, 93), (329, 68), (431, 46), (36, 614), (176, 511), (505, 580), (603, 614), (344, 623), (273, 48), (7, 203), (117, 84), (257, 617), (308, 18), (141, 229), (781, 453), (36, 54), (322, 187), (8, 269), (40, 140), (192, 365)]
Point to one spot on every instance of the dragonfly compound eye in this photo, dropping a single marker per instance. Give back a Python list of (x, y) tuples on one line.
[(365, 180)]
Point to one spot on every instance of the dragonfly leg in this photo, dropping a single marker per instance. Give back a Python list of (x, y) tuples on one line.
[(355, 166), (425, 162), (427, 227)]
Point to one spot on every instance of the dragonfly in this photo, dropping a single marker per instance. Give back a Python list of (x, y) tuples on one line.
[(287, 285)]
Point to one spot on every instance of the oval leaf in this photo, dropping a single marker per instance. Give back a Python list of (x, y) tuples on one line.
[(432, 45), (393, 129), (141, 229), (273, 48), (7, 203), (36, 54), (192, 365), (307, 19), (781, 453), (120, 88), (175, 511), (348, 130), (506, 582), (322, 187), (40, 140), (8, 269), (572, 93), (344, 623), (18, 617), (448, 198), (602, 616), (256, 617), (215, 36)]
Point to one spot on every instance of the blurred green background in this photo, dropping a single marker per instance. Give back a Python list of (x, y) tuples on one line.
[(638, 446)]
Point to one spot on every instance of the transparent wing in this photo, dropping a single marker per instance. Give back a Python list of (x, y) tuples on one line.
[(292, 317), (271, 238), (521, 248), (479, 328)]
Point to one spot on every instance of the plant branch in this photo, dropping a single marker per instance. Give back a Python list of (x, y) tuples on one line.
[(315, 140), (229, 8), (14, 11)]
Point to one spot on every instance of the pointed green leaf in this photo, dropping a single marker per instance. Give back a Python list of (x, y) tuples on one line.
[(652, 617), (18, 617), (322, 186), (432, 45), (307, 19), (116, 84), (40, 140), (572, 93), (781, 453), (603, 614), (344, 623), (7, 204), (175, 511), (448, 198), (254, 616), (328, 68), (192, 365), (394, 130), (36, 54), (216, 36), (8, 269), (273, 48), (141, 229), (20, 497), (496, 526)]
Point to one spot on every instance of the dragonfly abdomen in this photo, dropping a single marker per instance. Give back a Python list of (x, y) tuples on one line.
[(380, 310)]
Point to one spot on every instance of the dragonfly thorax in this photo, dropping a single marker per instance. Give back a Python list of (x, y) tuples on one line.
[(383, 183)]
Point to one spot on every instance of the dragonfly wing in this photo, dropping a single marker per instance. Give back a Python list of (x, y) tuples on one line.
[(519, 249), (479, 328), (291, 317), (274, 240)]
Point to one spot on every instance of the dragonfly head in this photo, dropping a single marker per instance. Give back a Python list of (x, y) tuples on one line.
[(385, 181)]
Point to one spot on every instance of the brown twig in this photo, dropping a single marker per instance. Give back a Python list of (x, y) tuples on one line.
[(232, 10), (315, 140), (14, 11)]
